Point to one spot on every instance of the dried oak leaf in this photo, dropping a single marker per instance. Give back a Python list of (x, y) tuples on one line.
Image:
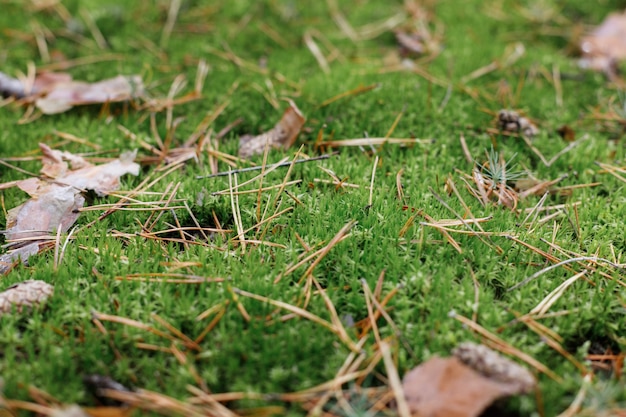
[(511, 121), (283, 135), (24, 295), (605, 45), (446, 387)]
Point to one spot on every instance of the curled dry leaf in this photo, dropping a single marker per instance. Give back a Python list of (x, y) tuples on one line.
[(24, 295), (446, 387), (511, 121), (605, 46), (57, 92), (56, 198), (283, 135)]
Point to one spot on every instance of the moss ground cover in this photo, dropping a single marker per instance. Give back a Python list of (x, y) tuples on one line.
[(397, 219)]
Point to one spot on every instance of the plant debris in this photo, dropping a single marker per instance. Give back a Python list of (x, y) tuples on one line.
[(57, 92), (25, 295), (605, 46), (492, 181), (567, 133), (283, 135), (492, 365), (511, 121), (464, 385), (57, 197), (97, 384), (410, 43)]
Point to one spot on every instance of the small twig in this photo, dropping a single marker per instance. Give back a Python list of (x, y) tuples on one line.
[(256, 168), (371, 197)]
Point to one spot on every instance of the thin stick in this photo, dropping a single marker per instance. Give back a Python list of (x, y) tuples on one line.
[(394, 381), (371, 198), (256, 168), (172, 14)]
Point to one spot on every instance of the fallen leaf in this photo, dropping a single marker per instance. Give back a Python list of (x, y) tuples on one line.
[(605, 46), (10, 259), (57, 197), (447, 387), (57, 92), (511, 121), (283, 135), (25, 295)]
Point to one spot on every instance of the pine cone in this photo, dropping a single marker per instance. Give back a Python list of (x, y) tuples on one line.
[(25, 294), (494, 366)]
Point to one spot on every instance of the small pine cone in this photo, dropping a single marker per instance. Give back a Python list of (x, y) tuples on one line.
[(25, 294), (494, 366)]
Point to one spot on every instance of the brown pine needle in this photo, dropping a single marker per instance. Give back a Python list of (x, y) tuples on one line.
[(374, 142), (297, 311), (355, 91), (394, 381), (316, 51), (343, 232), (131, 323)]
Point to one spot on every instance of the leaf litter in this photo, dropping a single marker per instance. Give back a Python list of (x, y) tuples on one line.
[(56, 199), (54, 93), (605, 46), (282, 135), (464, 385)]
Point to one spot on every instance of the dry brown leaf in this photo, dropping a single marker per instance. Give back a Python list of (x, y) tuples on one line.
[(57, 92), (24, 295), (283, 135), (56, 199), (63, 96), (446, 387), (606, 45)]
